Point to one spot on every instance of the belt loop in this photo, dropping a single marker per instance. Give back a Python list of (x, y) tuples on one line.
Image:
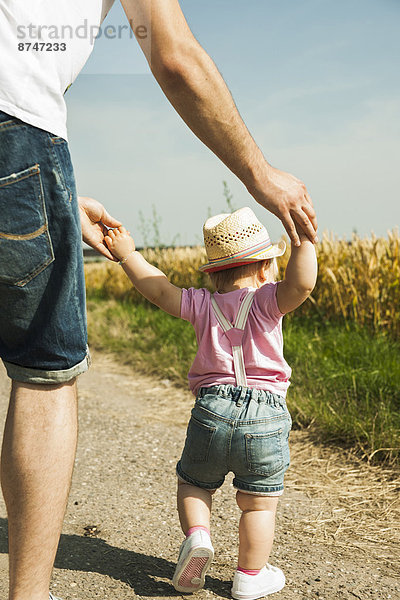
[(255, 395), (242, 395), (262, 396)]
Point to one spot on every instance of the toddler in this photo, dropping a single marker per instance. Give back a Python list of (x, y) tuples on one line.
[(240, 421)]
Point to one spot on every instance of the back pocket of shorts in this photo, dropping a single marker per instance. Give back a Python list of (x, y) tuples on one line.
[(198, 441), (25, 244), (264, 453)]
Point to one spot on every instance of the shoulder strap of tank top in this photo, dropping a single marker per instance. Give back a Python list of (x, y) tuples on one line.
[(240, 323)]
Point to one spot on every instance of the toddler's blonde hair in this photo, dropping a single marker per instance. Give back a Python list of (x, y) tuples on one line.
[(227, 277)]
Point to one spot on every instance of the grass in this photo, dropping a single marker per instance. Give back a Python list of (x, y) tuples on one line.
[(345, 382), (143, 336)]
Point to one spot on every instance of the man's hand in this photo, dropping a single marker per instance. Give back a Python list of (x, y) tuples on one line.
[(95, 220), (286, 197)]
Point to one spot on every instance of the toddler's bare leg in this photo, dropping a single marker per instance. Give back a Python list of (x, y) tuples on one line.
[(256, 529), (194, 506)]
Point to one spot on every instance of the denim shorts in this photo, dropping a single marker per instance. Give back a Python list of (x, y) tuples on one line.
[(43, 336), (237, 429)]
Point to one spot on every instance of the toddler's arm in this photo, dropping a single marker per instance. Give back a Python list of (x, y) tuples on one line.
[(147, 279), (300, 276)]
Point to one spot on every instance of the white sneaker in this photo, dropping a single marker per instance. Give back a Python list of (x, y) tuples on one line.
[(195, 556), (249, 587)]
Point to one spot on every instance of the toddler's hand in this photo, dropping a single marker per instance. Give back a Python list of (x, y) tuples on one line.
[(119, 242)]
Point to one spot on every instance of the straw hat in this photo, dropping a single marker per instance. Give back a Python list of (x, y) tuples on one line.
[(237, 239)]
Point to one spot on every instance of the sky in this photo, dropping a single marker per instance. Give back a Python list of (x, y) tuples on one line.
[(316, 82)]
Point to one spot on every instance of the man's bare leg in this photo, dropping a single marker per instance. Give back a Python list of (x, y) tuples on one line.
[(37, 459)]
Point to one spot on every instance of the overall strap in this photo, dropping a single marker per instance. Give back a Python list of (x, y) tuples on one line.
[(236, 334), (244, 309)]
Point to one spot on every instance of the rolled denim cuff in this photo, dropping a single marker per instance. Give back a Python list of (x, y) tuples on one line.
[(43, 377)]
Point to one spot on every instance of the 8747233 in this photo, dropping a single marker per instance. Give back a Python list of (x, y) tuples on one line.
[(42, 46)]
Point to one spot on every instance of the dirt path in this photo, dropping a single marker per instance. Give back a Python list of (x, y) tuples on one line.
[(336, 530)]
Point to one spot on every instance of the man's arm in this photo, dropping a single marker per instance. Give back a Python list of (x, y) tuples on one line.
[(195, 88)]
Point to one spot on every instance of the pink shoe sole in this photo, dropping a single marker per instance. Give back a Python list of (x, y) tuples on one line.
[(192, 576)]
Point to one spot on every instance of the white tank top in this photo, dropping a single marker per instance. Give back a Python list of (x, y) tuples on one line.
[(34, 78)]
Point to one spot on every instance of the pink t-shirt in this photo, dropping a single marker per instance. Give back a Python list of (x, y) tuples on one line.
[(266, 368)]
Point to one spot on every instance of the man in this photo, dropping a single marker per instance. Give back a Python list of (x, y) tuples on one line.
[(42, 318)]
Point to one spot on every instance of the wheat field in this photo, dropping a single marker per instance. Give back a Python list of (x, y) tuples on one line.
[(358, 280)]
